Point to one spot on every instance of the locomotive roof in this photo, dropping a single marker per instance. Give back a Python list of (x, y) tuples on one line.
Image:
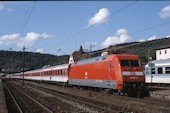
[(163, 62), (98, 59), (91, 60)]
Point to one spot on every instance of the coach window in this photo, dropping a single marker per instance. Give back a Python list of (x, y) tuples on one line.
[(153, 70), (111, 65), (160, 70), (167, 70), (61, 72), (58, 72)]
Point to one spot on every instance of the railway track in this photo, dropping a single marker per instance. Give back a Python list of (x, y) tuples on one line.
[(136, 104), (91, 101), (16, 104), (20, 96), (85, 104)]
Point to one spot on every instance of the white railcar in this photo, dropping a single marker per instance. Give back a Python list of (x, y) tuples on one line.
[(57, 73), (158, 72)]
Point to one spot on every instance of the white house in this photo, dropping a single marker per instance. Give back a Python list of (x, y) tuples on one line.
[(163, 52)]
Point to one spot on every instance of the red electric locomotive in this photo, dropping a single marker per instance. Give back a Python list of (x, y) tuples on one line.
[(122, 73)]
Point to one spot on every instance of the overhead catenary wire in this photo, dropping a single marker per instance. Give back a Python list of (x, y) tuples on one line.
[(25, 20), (150, 28), (73, 36), (28, 18)]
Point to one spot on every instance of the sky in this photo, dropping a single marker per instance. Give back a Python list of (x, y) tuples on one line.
[(60, 27)]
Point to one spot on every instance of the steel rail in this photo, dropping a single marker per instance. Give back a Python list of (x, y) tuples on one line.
[(13, 98), (73, 97), (41, 105)]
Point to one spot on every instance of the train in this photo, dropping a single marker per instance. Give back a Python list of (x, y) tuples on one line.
[(157, 72), (117, 72)]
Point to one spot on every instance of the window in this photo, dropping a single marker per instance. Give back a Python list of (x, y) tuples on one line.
[(124, 63), (134, 63), (61, 72), (167, 70), (129, 63), (153, 70), (160, 52), (58, 72), (111, 65), (160, 70), (165, 51)]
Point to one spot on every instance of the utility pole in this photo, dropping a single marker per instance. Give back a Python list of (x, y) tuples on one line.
[(11, 61), (150, 65), (23, 66)]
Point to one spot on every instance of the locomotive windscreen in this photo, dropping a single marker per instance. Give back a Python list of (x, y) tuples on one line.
[(129, 63)]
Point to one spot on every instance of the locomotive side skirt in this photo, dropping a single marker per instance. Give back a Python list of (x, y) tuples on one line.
[(94, 83)]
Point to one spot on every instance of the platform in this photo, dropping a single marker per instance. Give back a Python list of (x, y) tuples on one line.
[(160, 93), (3, 107)]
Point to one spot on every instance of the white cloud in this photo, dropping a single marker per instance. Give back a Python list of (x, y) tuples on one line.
[(121, 36), (152, 38), (99, 18), (10, 10), (28, 40), (165, 12), (167, 36), (40, 50), (1, 7), (45, 35), (141, 40), (31, 38), (9, 39)]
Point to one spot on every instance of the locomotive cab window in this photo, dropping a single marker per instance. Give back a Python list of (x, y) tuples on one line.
[(134, 63), (124, 63), (129, 63)]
